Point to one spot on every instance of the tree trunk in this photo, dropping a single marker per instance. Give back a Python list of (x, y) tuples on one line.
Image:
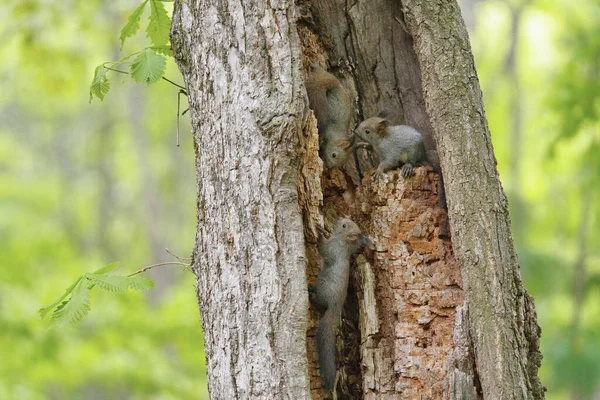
[(438, 310), (241, 64), (502, 319)]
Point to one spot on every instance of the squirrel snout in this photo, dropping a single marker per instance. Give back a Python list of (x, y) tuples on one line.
[(366, 242)]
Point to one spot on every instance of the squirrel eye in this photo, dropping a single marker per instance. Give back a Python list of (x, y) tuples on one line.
[(367, 131), (334, 155), (344, 225)]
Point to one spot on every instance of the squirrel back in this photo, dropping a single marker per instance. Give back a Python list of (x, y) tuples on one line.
[(332, 107), (331, 288)]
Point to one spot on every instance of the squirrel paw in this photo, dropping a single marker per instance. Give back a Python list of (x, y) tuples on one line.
[(378, 174), (406, 170)]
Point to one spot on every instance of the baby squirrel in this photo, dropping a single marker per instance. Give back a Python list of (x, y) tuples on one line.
[(333, 110), (395, 146), (331, 287), (398, 145)]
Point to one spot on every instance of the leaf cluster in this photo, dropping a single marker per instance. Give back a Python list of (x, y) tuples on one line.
[(147, 65), (78, 304)]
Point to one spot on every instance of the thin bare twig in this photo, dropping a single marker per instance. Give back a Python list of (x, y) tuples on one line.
[(182, 259), (157, 265)]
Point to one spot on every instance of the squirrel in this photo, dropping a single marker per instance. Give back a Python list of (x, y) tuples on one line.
[(398, 145), (331, 287), (333, 110)]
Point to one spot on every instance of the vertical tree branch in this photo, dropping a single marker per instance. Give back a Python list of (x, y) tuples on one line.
[(500, 318)]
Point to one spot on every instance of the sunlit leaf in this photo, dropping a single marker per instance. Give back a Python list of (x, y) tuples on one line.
[(44, 310), (133, 23), (110, 267), (75, 308), (159, 25), (148, 66), (166, 50), (112, 283), (138, 282), (100, 84)]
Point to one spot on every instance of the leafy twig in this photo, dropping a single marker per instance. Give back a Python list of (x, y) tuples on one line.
[(78, 305)]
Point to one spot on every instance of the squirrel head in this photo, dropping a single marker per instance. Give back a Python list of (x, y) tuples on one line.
[(336, 153), (372, 129), (351, 234)]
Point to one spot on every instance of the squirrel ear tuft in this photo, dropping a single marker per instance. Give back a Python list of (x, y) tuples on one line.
[(384, 112), (345, 144), (382, 126)]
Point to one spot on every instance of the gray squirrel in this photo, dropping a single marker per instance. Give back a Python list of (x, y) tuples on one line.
[(331, 287), (333, 110), (398, 145)]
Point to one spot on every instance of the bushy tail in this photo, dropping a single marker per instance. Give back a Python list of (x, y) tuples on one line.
[(434, 160), (326, 345)]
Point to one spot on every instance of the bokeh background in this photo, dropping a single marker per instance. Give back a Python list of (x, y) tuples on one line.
[(84, 185)]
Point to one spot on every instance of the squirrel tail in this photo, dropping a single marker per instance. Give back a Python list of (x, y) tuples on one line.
[(434, 160), (326, 347), (317, 85)]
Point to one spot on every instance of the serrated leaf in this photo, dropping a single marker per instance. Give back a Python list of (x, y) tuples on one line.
[(138, 282), (44, 310), (100, 84), (133, 23), (148, 67), (110, 267), (166, 50), (112, 283), (159, 25), (75, 308)]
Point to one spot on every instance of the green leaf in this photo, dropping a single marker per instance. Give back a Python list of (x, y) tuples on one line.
[(166, 50), (75, 308), (100, 84), (44, 310), (133, 23), (112, 283), (148, 66), (110, 267), (159, 25), (138, 282)]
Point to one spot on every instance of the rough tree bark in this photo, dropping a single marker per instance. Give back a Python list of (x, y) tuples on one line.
[(502, 319), (438, 310), (241, 64)]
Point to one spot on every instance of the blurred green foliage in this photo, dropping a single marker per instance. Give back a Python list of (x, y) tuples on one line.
[(549, 163), (82, 186)]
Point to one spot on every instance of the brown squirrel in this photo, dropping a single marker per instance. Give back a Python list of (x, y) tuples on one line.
[(398, 145), (331, 287), (333, 110)]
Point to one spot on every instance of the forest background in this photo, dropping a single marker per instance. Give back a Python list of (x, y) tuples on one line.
[(83, 185)]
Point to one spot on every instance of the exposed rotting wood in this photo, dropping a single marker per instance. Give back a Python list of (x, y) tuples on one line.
[(409, 291), (416, 314)]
